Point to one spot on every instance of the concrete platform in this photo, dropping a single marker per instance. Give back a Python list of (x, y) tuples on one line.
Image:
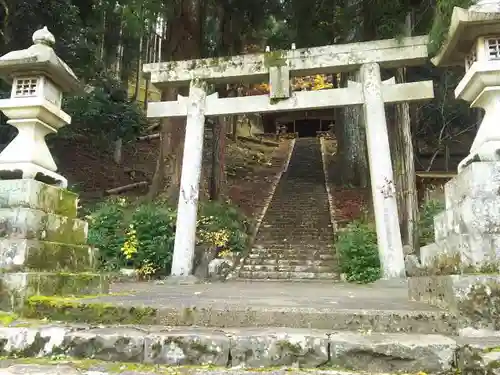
[(318, 305)]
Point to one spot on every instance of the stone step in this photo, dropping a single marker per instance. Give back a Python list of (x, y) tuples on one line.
[(31, 224), (239, 347), (293, 250), (276, 275), (17, 286), (253, 268), (33, 255), (38, 196), (290, 262), (306, 245)]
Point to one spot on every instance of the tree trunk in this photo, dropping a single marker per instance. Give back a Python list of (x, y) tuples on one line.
[(137, 91), (404, 167), (354, 166), (352, 148), (218, 177), (218, 180), (184, 33), (118, 143)]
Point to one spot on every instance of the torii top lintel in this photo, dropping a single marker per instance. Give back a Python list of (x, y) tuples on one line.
[(389, 53)]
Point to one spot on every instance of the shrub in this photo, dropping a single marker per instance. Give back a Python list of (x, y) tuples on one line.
[(357, 249), (426, 222), (141, 236), (107, 232)]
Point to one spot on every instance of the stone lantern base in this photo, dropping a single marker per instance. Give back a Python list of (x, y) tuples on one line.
[(461, 270), (43, 247)]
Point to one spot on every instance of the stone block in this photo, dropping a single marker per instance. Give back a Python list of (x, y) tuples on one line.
[(31, 342), (481, 353), (392, 353), (477, 180), (16, 287), (473, 215), (185, 347), (119, 344), (278, 347), (32, 255), (474, 298), (38, 196), (28, 223)]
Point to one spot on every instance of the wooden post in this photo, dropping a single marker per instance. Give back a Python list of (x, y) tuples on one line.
[(382, 179), (185, 236)]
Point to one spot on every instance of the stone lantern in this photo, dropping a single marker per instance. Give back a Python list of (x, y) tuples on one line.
[(461, 270), (474, 41), (43, 243), (39, 78)]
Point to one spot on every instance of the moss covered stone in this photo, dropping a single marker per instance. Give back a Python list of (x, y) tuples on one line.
[(39, 196), (274, 58), (34, 224), (75, 310), (20, 286), (51, 256)]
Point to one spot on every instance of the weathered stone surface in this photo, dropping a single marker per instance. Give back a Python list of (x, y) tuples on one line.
[(30, 369), (187, 347), (479, 355), (103, 369), (242, 348), (279, 347), (27, 223), (219, 269), (109, 344), (34, 255), (467, 232), (17, 286), (392, 352), (38, 196), (478, 180), (31, 342), (475, 298)]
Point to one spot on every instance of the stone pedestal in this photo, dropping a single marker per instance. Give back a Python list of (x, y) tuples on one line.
[(460, 271), (43, 247), (469, 228)]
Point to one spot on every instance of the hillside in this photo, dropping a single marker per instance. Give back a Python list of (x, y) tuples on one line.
[(90, 170)]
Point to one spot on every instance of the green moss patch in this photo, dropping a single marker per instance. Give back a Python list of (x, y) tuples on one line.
[(64, 284), (51, 256), (39, 196), (75, 310), (63, 229), (7, 318)]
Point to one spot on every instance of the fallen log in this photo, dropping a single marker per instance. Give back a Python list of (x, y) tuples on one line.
[(128, 187), (149, 137), (259, 141), (152, 127)]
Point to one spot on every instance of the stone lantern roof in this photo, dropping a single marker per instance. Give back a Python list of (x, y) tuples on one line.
[(39, 59), (482, 19)]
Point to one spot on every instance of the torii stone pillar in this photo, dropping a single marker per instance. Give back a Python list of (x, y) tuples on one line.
[(382, 180), (185, 236)]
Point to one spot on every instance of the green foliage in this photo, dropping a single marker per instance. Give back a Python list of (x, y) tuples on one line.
[(141, 236), (357, 249), (442, 19), (426, 223), (107, 232), (225, 216), (105, 111)]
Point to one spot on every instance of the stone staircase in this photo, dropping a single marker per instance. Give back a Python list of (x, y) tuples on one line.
[(295, 239)]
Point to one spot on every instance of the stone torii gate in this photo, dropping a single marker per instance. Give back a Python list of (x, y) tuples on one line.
[(278, 67)]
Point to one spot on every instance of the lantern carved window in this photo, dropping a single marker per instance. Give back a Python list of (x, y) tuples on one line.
[(25, 87), (493, 48)]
